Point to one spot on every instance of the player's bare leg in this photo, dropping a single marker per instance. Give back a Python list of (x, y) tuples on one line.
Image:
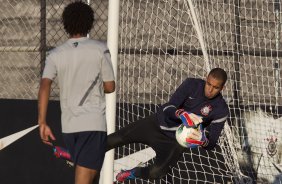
[(84, 175)]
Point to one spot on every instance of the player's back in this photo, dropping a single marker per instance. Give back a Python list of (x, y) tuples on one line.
[(79, 63)]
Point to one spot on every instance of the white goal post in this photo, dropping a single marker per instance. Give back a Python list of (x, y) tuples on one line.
[(112, 42)]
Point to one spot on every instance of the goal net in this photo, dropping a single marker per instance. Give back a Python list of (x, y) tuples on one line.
[(163, 42)]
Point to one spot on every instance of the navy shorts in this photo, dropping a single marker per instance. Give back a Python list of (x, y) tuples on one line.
[(87, 149)]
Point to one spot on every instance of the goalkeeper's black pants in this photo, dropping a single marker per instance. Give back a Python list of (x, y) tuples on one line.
[(147, 131)]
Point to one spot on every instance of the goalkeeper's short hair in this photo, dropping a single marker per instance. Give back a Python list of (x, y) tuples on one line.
[(219, 74), (78, 18)]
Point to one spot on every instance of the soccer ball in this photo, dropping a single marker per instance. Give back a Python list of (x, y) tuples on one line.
[(182, 132)]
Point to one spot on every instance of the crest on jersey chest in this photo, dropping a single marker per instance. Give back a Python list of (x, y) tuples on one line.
[(206, 110)]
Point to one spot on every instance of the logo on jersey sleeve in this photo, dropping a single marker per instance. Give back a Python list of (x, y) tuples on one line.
[(206, 110)]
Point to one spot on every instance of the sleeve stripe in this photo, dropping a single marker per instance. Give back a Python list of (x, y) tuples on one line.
[(88, 90), (169, 128), (220, 120), (168, 107)]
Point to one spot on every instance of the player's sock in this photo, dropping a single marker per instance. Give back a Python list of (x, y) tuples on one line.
[(126, 175)]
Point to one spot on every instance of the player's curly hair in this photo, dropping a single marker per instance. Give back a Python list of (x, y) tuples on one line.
[(78, 18)]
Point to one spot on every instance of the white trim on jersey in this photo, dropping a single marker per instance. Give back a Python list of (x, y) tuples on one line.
[(168, 107), (220, 120), (169, 128)]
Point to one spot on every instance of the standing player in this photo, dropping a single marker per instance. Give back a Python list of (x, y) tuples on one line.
[(195, 101), (85, 73)]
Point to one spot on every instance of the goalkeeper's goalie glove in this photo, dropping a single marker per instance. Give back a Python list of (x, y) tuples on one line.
[(197, 138), (189, 119)]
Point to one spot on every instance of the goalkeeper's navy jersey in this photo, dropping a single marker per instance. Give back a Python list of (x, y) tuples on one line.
[(190, 96)]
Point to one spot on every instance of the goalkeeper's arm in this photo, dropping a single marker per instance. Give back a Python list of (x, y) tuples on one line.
[(172, 109), (171, 113), (214, 131)]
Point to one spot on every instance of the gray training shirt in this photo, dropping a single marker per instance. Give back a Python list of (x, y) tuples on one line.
[(82, 65)]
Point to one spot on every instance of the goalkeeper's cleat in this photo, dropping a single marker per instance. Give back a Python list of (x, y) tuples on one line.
[(60, 152), (125, 175)]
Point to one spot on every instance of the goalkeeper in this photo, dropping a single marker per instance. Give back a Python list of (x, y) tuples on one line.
[(195, 102)]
